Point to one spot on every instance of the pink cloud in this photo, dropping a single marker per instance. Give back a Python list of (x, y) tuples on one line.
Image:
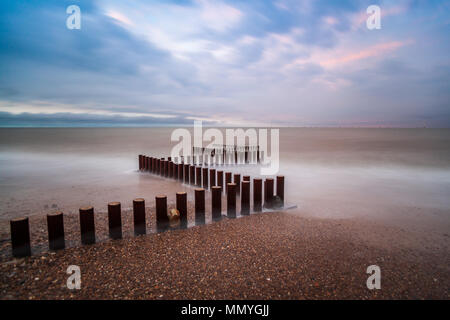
[(373, 51)]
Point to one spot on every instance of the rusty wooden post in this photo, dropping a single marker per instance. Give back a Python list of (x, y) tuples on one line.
[(148, 168), (268, 193), (246, 154), (216, 203), (257, 195), (199, 206), (220, 178), (114, 220), (198, 175), (140, 162), (280, 188), (231, 200), (227, 179), (170, 169), (162, 221), (180, 171), (258, 155), (87, 225), (186, 173), (20, 237), (212, 177), (246, 178), (166, 168), (153, 165), (237, 181), (245, 198), (161, 167), (182, 208), (174, 171), (55, 228), (192, 174), (205, 178), (139, 216)]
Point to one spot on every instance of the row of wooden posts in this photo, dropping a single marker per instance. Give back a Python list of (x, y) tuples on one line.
[(20, 232), (224, 155)]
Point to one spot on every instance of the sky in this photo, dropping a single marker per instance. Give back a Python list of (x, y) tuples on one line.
[(228, 63)]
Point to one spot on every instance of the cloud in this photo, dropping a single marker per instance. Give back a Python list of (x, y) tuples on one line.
[(281, 62)]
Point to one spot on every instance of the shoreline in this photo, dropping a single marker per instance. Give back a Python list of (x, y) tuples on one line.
[(262, 256)]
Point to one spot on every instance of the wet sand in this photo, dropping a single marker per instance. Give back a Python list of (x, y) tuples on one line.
[(263, 256)]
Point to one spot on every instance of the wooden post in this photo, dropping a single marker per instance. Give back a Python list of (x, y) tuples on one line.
[(245, 198), (231, 200), (280, 188), (257, 195), (216, 203), (182, 208), (186, 173), (258, 155), (246, 154), (87, 225), (220, 178), (237, 181), (170, 169), (114, 220), (268, 193), (205, 178), (55, 227), (192, 174), (139, 216), (199, 206), (161, 167), (166, 168), (246, 178), (180, 171), (148, 166), (20, 237), (212, 177), (141, 161), (144, 163), (198, 175), (162, 221), (153, 165), (227, 179), (175, 171)]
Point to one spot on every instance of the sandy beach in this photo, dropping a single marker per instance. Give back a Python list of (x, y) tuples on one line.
[(262, 256), (363, 197)]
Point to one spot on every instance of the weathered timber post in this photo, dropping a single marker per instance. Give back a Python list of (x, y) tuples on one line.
[(231, 200), (20, 237), (199, 206), (139, 216), (55, 228), (87, 225), (245, 198), (257, 195), (114, 220), (182, 208)]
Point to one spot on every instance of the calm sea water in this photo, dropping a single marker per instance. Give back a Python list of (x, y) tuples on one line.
[(398, 174)]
